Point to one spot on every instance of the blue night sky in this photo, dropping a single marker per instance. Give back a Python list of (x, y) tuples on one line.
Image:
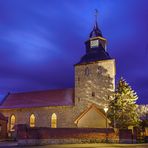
[(41, 40)]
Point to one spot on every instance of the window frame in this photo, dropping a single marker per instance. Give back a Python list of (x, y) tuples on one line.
[(12, 122), (54, 120), (32, 120)]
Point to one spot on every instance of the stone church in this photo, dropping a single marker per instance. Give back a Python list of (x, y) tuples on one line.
[(78, 107)]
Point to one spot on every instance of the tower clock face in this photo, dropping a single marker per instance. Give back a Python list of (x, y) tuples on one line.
[(94, 43)]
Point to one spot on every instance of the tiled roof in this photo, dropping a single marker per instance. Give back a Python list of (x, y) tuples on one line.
[(97, 54), (61, 97), (2, 117)]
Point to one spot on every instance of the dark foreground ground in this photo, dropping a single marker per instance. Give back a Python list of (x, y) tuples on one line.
[(14, 145)]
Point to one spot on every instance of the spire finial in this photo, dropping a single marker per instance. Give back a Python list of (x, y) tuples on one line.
[(96, 31), (96, 15)]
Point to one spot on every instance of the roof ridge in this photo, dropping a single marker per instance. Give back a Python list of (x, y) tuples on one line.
[(4, 99), (59, 97), (36, 91)]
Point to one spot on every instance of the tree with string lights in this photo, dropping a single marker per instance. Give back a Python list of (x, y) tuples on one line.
[(122, 109)]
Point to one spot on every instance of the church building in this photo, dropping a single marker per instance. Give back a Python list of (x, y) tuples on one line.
[(78, 107)]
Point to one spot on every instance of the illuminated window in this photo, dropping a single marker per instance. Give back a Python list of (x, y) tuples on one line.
[(32, 120), (53, 120), (12, 123)]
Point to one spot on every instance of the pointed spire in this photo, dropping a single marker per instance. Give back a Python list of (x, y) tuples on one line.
[(96, 31), (96, 18)]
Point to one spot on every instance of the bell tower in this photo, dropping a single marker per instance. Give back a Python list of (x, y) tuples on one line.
[(95, 72)]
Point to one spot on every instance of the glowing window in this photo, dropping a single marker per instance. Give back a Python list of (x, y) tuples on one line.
[(53, 120), (32, 120), (12, 123)]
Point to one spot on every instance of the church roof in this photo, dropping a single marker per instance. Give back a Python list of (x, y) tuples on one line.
[(96, 55), (96, 31), (61, 97), (2, 117)]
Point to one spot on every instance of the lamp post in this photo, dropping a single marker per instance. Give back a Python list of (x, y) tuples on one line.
[(106, 109)]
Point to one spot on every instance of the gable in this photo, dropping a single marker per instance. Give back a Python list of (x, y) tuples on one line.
[(91, 118)]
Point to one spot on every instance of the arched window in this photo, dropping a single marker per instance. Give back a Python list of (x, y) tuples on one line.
[(53, 120), (32, 120), (12, 122)]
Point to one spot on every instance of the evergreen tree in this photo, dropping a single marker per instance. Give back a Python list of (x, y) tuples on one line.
[(122, 109), (143, 114)]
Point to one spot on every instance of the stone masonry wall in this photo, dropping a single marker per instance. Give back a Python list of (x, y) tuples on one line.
[(95, 81), (3, 129), (66, 115), (43, 116), (28, 136)]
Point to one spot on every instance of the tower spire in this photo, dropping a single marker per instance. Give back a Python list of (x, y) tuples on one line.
[(96, 31), (96, 15)]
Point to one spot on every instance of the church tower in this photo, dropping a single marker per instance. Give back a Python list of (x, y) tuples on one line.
[(95, 72)]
